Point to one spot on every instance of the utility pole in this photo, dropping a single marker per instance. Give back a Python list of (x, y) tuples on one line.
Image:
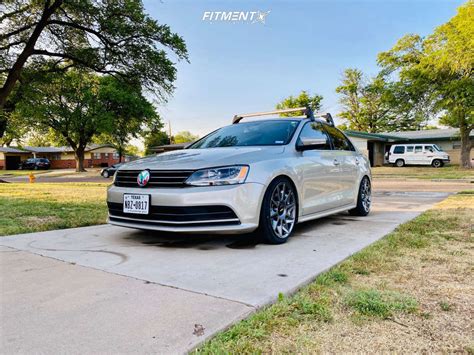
[(169, 129)]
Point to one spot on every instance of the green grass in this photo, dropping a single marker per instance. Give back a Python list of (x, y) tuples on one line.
[(348, 291), (12, 173), (39, 207), (424, 172)]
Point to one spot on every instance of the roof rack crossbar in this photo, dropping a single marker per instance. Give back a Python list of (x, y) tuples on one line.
[(304, 110)]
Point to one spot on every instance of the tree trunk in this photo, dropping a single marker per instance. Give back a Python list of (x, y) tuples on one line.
[(15, 71), (79, 157), (465, 146)]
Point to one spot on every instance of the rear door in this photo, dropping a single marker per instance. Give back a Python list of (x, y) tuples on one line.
[(319, 173), (347, 159)]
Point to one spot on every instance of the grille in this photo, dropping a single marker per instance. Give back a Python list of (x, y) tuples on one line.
[(179, 215), (158, 178)]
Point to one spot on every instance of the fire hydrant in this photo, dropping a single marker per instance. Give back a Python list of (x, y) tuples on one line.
[(32, 178)]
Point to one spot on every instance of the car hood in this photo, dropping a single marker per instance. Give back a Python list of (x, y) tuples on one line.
[(193, 159)]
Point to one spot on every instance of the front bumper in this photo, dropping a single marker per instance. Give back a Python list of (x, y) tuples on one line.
[(244, 200)]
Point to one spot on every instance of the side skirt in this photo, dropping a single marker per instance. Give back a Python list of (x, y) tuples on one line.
[(325, 213)]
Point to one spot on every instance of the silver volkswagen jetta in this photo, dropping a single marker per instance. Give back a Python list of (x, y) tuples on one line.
[(263, 174)]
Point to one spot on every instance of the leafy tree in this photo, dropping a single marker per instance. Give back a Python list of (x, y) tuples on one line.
[(185, 137), (133, 150), (68, 103), (154, 136), (302, 100), (130, 110), (112, 37), (374, 105), (442, 65)]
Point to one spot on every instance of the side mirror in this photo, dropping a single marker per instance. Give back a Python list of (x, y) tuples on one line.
[(311, 143)]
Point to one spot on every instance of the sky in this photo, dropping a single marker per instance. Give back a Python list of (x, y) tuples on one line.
[(247, 66)]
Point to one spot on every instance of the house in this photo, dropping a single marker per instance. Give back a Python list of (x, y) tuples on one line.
[(96, 155), (169, 147), (375, 145)]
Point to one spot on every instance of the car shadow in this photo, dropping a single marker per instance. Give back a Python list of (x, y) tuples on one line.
[(209, 242)]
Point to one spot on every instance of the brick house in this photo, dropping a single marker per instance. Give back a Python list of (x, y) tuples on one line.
[(96, 155)]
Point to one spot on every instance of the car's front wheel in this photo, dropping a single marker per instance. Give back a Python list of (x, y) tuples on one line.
[(105, 174), (279, 211), (437, 163), (364, 198)]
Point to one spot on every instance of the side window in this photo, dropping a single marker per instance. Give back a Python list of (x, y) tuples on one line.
[(315, 130), (410, 149), (339, 140), (399, 149), (429, 148), (418, 148)]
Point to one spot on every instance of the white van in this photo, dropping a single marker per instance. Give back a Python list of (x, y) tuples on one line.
[(417, 154)]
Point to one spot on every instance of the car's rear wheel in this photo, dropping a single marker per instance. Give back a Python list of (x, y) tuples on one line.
[(279, 211), (400, 163), (364, 198), (437, 163)]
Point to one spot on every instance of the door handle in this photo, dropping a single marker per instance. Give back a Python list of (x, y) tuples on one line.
[(336, 162), (357, 161)]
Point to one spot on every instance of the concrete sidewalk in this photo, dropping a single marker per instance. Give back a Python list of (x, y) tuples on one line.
[(109, 289)]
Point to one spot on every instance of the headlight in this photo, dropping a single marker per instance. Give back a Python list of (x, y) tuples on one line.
[(229, 175)]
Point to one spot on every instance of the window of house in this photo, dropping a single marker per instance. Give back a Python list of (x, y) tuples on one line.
[(418, 149), (116, 155), (95, 155), (399, 150), (409, 149), (456, 145)]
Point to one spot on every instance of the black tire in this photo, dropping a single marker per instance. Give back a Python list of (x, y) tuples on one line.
[(36, 167), (437, 163), (364, 198), (105, 174), (277, 209), (400, 163)]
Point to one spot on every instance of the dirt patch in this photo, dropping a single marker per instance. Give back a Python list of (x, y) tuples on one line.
[(35, 221)]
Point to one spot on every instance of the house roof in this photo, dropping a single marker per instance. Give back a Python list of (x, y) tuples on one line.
[(13, 150), (63, 149), (412, 136)]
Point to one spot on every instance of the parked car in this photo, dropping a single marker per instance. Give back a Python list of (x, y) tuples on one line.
[(264, 174), (35, 164), (417, 154), (110, 171)]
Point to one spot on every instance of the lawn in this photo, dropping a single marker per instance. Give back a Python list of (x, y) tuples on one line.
[(423, 172), (38, 207), (412, 291)]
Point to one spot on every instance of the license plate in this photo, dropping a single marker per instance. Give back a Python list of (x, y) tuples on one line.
[(134, 203)]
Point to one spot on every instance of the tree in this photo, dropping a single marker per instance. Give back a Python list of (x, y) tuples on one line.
[(441, 65), (68, 103), (376, 104), (302, 100), (130, 112), (111, 37), (185, 137), (154, 136)]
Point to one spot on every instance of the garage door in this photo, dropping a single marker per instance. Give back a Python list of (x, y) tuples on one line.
[(11, 163)]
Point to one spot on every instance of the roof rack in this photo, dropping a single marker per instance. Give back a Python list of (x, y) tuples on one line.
[(304, 110)]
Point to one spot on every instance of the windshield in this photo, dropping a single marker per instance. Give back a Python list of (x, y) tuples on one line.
[(271, 132), (437, 148)]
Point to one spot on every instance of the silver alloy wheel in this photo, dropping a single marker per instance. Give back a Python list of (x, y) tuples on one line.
[(436, 163), (283, 210), (106, 174), (365, 194), (400, 163)]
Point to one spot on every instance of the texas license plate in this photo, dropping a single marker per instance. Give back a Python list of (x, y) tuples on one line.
[(135, 203)]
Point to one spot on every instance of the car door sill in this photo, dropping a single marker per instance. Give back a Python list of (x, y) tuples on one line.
[(325, 213)]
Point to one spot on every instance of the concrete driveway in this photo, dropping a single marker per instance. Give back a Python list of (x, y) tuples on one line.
[(111, 289)]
